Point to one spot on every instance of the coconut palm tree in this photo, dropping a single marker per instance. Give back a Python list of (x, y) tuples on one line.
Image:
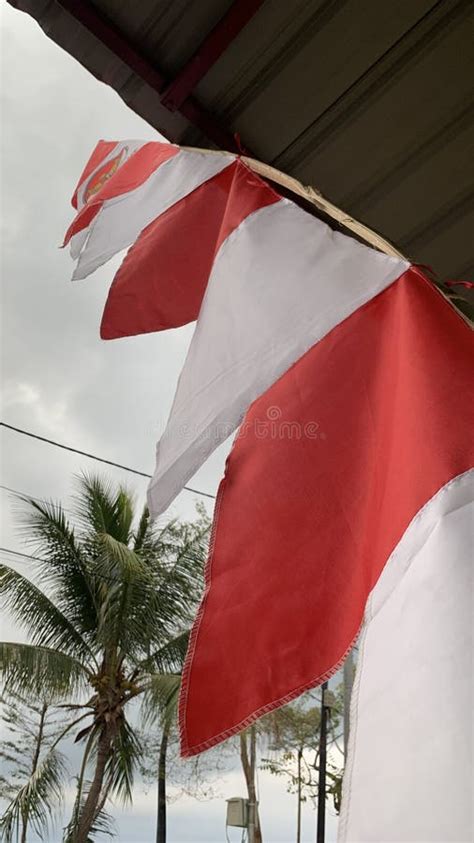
[(107, 624)]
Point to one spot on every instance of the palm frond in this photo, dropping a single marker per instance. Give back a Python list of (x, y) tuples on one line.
[(169, 658), (146, 623), (45, 623), (116, 559), (37, 799), (126, 587), (184, 576), (102, 509), (64, 567), (123, 761), (39, 671), (142, 531), (160, 610), (177, 571), (136, 609), (160, 700), (151, 539), (103, 824)]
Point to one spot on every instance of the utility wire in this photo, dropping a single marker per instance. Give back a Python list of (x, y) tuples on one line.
[(94, 457), (23, 555), (24, 496), (21, 494)]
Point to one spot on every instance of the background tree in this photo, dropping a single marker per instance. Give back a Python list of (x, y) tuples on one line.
[(292, 735), (162, 766), (111, 624), (292, 732), (248, 759), (33, 773)]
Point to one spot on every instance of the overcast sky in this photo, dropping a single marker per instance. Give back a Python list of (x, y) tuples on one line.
[(59, 379)]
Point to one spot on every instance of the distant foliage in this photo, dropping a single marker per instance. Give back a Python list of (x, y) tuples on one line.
[(33, 770)]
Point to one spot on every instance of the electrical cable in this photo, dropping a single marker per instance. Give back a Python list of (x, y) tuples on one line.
[(24, 495), (20, 494), (23, 555), (95, 457)]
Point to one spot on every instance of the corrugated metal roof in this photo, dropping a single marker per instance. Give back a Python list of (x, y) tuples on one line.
[(369, 102)]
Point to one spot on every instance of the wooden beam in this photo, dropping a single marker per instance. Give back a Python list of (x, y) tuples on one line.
[(311, 195), (111, 37), (211, 48)]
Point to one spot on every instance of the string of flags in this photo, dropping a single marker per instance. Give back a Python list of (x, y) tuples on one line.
[(347, 501)]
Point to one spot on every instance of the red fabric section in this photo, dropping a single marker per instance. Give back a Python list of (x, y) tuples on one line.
[(163, 278), (83, 220), (100, 152), (331, 465), (130, 175)]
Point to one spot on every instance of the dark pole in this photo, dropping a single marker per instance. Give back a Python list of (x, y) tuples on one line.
[(161, 809), (348, 675), (320, 830)]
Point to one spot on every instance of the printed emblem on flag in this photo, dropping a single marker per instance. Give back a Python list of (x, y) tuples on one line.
[(103, 174)]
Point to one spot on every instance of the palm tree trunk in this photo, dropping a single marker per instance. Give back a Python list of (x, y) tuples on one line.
[(34, 764), (89, 810), (161, 811), (248, 760)]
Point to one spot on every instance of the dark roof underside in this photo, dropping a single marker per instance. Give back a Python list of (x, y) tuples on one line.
[(370, 102)]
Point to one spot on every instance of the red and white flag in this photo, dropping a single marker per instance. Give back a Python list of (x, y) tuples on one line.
[(124, 187), (347, 500)]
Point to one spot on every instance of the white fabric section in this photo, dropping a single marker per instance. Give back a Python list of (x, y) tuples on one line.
[(130, 146), (122, 219), (77, 242), (280, 282), (409, 777)]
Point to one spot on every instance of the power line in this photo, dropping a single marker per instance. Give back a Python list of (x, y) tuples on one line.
[(32, 497), (20, 494), (94, 457), (23, 555)]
